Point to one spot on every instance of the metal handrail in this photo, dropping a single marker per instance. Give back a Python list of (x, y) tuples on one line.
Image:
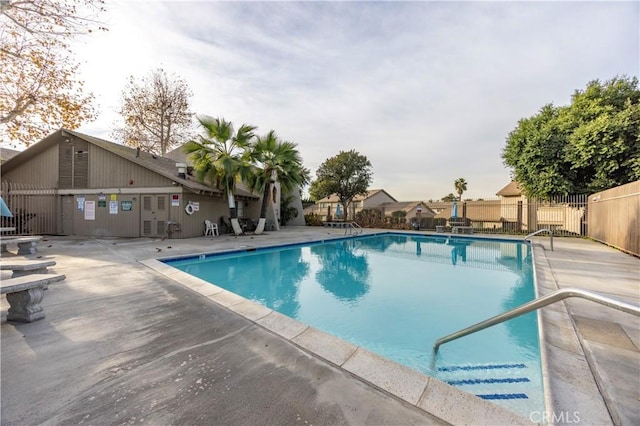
[(351, 227), (540, 231), (539, 303)]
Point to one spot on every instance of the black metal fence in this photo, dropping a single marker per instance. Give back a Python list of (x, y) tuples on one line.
[(34, 209), (566, 216)]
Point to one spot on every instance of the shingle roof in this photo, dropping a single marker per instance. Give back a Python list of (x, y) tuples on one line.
[(407, 206), (511, 190), (162, 165), (6, 154), (333, 198), (180, 157)]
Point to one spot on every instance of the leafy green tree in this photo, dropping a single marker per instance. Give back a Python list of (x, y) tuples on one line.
[(275, 161), (461, 185), (316, 191), (219, 158), (347, 174), (588, 146), (449, 198)]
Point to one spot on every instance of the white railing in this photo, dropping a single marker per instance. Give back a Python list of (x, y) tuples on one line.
[(353, 229), (537, 304), (539, 232)]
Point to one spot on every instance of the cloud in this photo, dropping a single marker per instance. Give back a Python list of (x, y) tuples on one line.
[(428, 91)]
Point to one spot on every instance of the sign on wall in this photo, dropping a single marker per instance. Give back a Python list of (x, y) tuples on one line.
[(89, 210), (113, 207), (175, 200), (80, 202), (126, 206)]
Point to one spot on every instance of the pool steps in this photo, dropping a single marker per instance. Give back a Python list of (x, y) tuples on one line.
[(507, 382)]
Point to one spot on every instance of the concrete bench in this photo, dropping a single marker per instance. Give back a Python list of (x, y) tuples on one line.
[(22, 267), (462, 230), (26, 245), (24, 295)]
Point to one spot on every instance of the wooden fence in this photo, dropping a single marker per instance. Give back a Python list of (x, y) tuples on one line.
[(614, 217)]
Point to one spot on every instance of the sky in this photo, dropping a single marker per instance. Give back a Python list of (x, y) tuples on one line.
[(427, 91)]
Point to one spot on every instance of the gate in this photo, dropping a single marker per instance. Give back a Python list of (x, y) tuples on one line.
[(34, 209)]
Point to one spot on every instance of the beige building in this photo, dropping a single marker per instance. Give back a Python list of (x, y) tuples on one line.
[(520, 213), (74, 184), (482, 215), (327, 207), (409, 208)]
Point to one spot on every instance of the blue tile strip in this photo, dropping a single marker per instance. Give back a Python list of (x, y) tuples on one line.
[(481, 367), (504, 396), (483, 381)]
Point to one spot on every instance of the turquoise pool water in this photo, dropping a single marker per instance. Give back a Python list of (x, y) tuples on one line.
[(395, 294)]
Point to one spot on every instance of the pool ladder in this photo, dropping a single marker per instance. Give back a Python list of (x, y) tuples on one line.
[(539, 232), (353, 229), (537, 304)]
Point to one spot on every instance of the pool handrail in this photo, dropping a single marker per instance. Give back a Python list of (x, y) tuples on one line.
[(540, 231), (537, 304), (353, 229)]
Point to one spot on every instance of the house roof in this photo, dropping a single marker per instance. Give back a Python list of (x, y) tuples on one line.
[(6, 154), (179, 156), (511, 190), (407, 206), (162, 165), (333, 198)]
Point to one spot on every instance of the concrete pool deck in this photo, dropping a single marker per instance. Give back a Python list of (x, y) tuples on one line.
[(126, 342)]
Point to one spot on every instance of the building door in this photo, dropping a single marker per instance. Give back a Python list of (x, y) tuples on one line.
[(154, 215), (68, 209)]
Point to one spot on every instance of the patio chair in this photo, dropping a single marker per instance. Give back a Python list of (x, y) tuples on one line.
[(211, 228)]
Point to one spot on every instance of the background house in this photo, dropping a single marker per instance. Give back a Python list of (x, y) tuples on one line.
[(74, 184), (409, 208), (520, 213), (326, 208)]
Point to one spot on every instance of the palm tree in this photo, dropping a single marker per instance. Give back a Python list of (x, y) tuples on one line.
[(461, 186), (219, 158), (275, 161)]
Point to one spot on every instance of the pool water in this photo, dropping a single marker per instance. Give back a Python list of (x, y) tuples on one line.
[(395, 294)]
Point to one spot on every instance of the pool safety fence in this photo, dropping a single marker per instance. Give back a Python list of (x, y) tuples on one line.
[(566, 216), (35, 210)]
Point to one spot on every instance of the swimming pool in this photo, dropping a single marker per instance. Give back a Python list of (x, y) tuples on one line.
[(395, 294)]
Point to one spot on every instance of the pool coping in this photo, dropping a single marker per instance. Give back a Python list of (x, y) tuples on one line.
[(425, 392)]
